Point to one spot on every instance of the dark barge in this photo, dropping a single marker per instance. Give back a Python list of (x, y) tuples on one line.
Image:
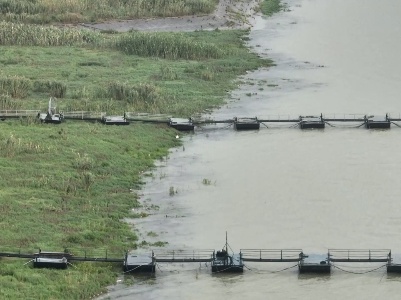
[(311, 122), (225, 263), (54, 260), (182, 124), (377, 122), (114, 120), (394, 263), (246, 123), (314, 263), (139, 263)]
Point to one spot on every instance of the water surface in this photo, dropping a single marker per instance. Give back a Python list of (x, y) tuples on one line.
[(282, 187)]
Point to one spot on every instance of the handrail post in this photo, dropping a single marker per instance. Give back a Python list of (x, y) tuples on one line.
[(260, 254), (369, 254), (281, 254)]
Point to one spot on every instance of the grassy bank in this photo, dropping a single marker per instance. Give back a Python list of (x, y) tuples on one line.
[(75, 11), (126, 72), (68, 186)]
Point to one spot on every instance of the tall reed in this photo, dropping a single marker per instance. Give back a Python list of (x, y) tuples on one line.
[(166, 45), (15, 86), (45, 11), (33, 35)]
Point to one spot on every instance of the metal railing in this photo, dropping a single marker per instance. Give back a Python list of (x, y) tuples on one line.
[(271, 255), (204, 255), (359, 255)]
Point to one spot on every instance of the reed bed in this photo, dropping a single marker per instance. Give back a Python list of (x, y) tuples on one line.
[(166, 45), (163, 45), (53, 88), (46, 11), (33, 35), (7, 102), (15, 86)]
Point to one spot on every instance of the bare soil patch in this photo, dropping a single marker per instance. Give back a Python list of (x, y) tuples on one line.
[(234, 14)]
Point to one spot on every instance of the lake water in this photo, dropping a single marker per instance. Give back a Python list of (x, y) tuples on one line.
[(282, 187)]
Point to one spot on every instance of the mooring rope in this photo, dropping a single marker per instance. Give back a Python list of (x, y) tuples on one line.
[(271, 272), (229, 267), (130, 270), (359, 273), (395, 124), (28, 262)]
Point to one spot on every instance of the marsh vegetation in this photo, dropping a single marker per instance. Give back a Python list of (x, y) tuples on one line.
[(70, 186)]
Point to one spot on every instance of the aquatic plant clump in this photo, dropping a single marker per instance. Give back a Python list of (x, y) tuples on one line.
[(166, 45)]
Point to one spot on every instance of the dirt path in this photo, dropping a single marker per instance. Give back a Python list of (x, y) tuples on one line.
[(229, 14)]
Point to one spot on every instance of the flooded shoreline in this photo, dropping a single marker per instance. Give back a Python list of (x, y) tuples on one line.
[(283, 187)]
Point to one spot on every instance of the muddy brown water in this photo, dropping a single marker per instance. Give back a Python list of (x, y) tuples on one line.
[(282, 187)]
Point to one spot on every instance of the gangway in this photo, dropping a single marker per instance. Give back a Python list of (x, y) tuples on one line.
[(15, 114), (359, 255), (271, 255), (183, 255)]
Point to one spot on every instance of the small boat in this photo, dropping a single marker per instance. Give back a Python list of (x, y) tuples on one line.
[(223, 262), (51, 116)]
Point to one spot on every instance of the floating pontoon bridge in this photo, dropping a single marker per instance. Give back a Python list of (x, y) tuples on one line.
[(189, 124), (220, 261)]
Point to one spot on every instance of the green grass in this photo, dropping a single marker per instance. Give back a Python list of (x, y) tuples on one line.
[(270, 7), (68, 186), (46, 201), (179, 87)]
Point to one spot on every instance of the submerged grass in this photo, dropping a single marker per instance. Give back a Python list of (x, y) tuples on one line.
[(270, 7)]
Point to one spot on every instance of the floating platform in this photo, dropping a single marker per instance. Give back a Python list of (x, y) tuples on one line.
[(394, 264), (139, 264), (311, 122), (182, 124), (246, 123), (380, 122), (50, 118), (225, 263), (315, 263), (54, 260), (115, 120)]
